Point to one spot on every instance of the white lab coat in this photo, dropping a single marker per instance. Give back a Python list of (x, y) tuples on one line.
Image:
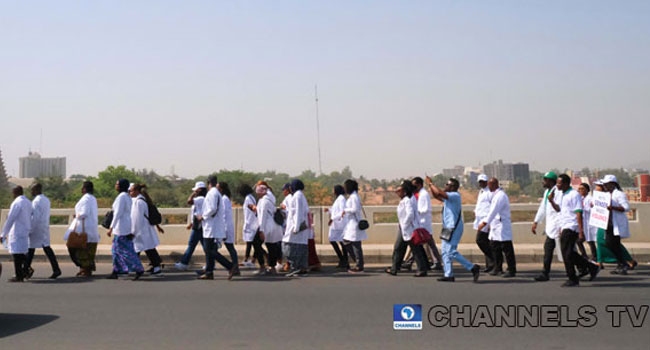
[(482, 208), (590, 232), (229, 222), (17, 226), (122, 215), (197, 207), (423, 214), (250, 219), (353, 210), (499, 217), (85, 218), (265, 211), (145, 234), (406, 215), (338, 220), (213, 215), (298, 214), (546, 213), (619, 219), (39, 236)]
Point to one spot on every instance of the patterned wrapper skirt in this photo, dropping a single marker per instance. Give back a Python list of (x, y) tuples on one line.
[(125, 258)]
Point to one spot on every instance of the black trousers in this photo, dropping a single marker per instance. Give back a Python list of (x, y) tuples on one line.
[(275, 252), (501, 248), (50, 256), (212, 254), (19, 265), (247, 254), (613, 242), (572, 259), (258, 251), (154, 257), (483, 243), (233, 253), (355, 249), (549, 248), (341, 253), (399, 250)]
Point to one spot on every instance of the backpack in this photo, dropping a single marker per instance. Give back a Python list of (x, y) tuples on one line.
[(154, 218)]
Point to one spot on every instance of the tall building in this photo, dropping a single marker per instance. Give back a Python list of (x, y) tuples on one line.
[(455, 172), (512, 172), (3, 174), (35, 166)]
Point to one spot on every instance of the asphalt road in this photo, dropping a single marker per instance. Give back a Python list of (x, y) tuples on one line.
[(324, 310)]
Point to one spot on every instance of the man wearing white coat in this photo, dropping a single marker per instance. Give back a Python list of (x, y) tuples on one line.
[(618, 227), (39, 235), (15, 233), (500, 230), (546, 213), (214, 231), (352, 234), (480, 212)]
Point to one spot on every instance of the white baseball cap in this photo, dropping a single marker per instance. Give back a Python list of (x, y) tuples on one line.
[(482, 177), (198, 184), (609, 178)]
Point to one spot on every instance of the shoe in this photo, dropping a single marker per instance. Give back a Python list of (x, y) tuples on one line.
[(593, 271), (81, 271), (508, 274), (542, 278), (634, 264), (138, 274), (390, 271), (476, 271), (570, 283), (181, 267), (235, 271), (55, 274), (621, 270), (248, 265), (437, 267), (29, 273), (488, 269), (112, 276), (421, 274), (584, 273), (294, 273), (206, 276), (16, 279), (232, 272), (407, 267), (156, 272), (200, 272), (496, 272), (259, 272), (355, 270), (447, 279), (278, 267), (286, 267)]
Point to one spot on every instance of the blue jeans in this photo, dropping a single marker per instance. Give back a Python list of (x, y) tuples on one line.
[(450, 253), (196, 236)]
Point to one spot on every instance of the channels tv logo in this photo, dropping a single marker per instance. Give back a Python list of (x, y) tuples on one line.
[(407, 317)]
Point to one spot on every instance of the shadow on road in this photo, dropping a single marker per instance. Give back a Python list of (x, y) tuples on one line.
[(11, 324)]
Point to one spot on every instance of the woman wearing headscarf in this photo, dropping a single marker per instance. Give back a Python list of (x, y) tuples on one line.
[(269, 231), (224, 189), (336, 225), (296, 236), (250, 222), (146, 237), (85, 220), (125, 259), (352, 234)]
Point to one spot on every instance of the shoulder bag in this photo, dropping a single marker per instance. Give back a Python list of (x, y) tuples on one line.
[(78, 240)]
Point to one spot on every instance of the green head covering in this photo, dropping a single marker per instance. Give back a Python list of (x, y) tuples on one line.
[(551, 175)]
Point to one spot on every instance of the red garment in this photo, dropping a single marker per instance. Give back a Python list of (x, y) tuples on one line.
[(313, 257), (417, 195)]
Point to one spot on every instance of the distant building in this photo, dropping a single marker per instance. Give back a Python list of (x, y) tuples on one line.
[(3, 174), (643, 183), (511, 172), (35, 166), (456, 172)]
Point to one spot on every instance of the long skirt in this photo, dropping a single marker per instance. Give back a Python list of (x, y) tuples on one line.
[(84, 257), (125, 258), (604, 254), (296, 255)]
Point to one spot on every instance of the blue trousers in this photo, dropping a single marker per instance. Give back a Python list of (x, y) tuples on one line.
[(196, 236), (450, 253)]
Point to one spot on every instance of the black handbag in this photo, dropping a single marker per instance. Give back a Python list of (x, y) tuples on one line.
[(447, 233), (278, 217), (363, 223), (108, 220)]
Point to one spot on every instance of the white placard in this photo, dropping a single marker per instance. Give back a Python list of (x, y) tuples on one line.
[(599, 213)]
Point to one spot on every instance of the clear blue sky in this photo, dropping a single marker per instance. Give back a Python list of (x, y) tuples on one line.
[(405, 86)]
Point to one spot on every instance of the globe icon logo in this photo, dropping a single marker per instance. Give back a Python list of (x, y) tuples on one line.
[(407, 313)]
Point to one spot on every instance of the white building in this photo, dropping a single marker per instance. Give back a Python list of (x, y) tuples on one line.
[(35, 166)]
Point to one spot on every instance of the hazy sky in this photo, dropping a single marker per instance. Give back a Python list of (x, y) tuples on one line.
[(405, 86)]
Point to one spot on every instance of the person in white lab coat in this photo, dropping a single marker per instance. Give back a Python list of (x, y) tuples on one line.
[(249, 230), (196, 234), (269, 231), (39, 235), (85, 220), (407, 224), (336, 224), (224, 189), (590, 231), (480, 212), (284, 206), (214, 231), (546, 213), (498, 219), (619, 225), (125, 259), (352, 234), (146, 238), (295, 240), (15, 232)]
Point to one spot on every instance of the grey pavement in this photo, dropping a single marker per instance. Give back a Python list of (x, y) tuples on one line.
[(322, 310)]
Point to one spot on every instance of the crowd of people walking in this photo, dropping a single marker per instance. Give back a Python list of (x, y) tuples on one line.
[(286, 230)]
